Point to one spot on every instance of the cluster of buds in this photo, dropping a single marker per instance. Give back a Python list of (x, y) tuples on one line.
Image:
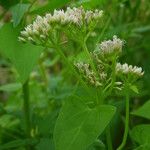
[(111, 46), (88, 73), (129, 69), (42, 28), (101, 59), (95, 78), (107, 51)]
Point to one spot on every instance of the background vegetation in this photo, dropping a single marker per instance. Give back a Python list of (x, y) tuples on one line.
[(51, 82)]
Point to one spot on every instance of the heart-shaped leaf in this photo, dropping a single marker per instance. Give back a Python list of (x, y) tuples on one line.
[(78, 126), (143, 111), (18, 12), (141, 134), (23, 56)]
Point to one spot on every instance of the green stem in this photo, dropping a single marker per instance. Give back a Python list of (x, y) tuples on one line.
[(58, 49), (89, 56), (103, 31), (107, 93), (26, 107), (43, 72), (126, 124), (108, 138), (28, 11), (108, 89)]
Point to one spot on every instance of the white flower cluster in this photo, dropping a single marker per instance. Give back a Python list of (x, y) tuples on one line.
[(129, 69), (111, 46), (38, 31), (88, 74), (41, 28), (104, 65)]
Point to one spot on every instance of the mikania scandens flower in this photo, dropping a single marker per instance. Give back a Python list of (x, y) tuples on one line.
[(111, 46), (129, 69), (108, 50), (43, 27), (88, 73), (104, 69)]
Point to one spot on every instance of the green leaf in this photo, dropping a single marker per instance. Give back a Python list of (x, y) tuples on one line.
[(90, 3), (78, 126), (10, 87), (143, 111), (18, 12), (51, 5), (134, 89), (142, 29), (140, 134), (143, 147), (8, 3), (23, 56), (8, 121), (98, 144), (81, 57)]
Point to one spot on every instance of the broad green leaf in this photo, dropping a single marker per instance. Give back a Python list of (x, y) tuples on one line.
[(18, 12), (51, 5), (23, 56), (143, 147), (10, 87), (78, 126), (143, 111), (141, 134)]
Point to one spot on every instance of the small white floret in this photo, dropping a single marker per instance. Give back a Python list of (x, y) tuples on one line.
[(129, 69)]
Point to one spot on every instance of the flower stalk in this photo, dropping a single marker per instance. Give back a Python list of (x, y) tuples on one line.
[(108, 138), (43, 71), (26, 109), (126, 130), (88, 55), (62, 55)]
